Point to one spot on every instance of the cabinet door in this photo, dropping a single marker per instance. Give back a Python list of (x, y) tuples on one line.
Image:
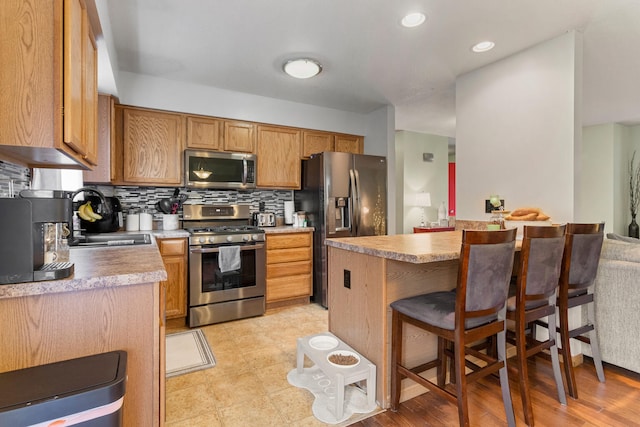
[(349, 144), (203, 132), (152, 147), (174, 256), (239, 136), (74, 15), (278, 157), (103, 173), (90, 92), (316, 142)]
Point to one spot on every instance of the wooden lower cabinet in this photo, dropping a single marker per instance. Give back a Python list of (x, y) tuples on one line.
[(289, 266), (174, 256), (52, 327)]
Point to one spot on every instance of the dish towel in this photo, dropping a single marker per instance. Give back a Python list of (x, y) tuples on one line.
[(229, 258)]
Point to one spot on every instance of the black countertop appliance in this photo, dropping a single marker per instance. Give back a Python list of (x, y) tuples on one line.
[(110, 221)]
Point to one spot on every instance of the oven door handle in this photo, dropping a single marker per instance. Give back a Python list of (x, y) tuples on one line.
[(217, 249)]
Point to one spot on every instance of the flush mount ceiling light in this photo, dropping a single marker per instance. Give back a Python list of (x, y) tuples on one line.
[(413, 19), (302, 68), (483, 46)]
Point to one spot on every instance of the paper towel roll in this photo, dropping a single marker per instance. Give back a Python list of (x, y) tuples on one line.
[(288, 212)]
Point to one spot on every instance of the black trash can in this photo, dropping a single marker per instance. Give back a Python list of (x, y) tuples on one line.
[(87, 392)]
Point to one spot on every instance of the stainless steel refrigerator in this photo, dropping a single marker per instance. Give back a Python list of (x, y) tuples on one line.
[(343, 195)]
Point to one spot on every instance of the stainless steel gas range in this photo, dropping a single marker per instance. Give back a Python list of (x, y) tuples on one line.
[(226, 264)]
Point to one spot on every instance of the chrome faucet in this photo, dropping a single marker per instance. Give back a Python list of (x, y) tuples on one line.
[(103, 200)]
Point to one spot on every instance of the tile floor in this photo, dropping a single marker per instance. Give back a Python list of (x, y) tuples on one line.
[(248, 386)]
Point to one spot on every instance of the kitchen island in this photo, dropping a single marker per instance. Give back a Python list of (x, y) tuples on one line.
[(366, 274), (113, 301)]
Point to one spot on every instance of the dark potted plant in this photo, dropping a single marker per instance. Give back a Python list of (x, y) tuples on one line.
[(634, 195)]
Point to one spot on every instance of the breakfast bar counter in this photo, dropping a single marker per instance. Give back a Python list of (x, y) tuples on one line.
[(366, 274), (113, 301)]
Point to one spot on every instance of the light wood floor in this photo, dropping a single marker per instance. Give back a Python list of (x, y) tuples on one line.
[(614, 403), (248, 386)]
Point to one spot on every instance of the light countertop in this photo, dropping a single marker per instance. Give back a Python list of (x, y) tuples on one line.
[(286, 229), (99, 268), (414, 248)]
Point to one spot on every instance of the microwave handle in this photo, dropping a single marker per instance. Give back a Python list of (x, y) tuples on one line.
[(244, 171)]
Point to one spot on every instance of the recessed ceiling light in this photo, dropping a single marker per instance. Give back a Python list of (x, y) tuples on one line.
[(302, 68), (483, 46), (413, 19)]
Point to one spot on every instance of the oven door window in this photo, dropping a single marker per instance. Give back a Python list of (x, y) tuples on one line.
[(214, 280)]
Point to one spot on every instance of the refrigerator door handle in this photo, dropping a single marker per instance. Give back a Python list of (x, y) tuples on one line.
[(353, 206), (355, 181)]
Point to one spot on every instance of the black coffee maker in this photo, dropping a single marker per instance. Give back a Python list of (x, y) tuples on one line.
[(24, 220), (109, 209)]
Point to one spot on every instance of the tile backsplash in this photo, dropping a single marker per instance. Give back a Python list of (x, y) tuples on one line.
[(146, 197), (13, 179), (132, 197)]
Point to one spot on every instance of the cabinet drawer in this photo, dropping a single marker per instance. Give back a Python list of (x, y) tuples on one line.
[(288, 240), (277, 256), (288, 269), (173, 246), (288, 287)]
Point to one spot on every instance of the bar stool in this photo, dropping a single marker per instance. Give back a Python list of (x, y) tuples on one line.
[(475, 311), (582, 247), (535, 297)]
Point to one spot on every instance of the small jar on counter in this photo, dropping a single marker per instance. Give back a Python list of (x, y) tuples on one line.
[(132, 221), (146, 220)]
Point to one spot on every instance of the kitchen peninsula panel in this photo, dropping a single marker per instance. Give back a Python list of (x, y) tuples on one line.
[(383, 269), (114, 301)]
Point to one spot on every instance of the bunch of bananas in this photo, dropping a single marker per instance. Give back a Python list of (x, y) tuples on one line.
[(86, 212)]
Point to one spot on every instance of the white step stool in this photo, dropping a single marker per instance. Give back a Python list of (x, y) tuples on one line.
[(318, 347)]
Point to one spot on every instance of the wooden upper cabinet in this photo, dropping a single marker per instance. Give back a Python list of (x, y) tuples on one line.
[(152, 143), (349, 143), (80, 81), (75, 10), (104, 172), (278, 156), (239, 136), (316, 142), (45, 78), (204, 133), (90, 93)]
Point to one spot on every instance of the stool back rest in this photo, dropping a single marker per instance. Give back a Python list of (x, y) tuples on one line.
[(581, 255), (540, 261), (486, 264)]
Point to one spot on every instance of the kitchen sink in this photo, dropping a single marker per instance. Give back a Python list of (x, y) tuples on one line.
[(113, 239)]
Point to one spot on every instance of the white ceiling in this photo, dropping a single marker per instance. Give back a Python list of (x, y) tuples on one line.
[(368, 59)]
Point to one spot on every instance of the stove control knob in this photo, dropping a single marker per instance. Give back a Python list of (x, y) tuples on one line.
[(246, 238), (212, 239), (229, 238), (256, 237), (202, 239)]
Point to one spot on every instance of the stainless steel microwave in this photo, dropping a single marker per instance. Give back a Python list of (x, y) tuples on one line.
[(213, 169)]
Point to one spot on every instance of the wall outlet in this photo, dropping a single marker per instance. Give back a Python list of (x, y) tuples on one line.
[(488, 207), (347, 279)]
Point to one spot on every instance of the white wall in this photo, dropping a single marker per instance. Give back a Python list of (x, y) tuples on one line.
[(418, 175), (600, 186), (379, 142), (154, 92), (516, 131)]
